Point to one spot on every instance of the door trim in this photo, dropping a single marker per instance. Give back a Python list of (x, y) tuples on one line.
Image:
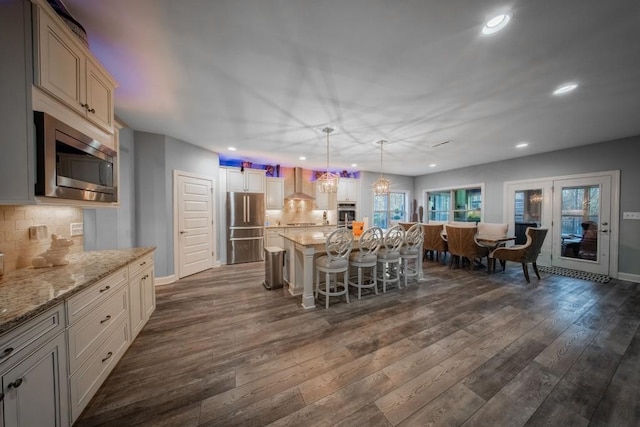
[(176, 225), (614, 229)]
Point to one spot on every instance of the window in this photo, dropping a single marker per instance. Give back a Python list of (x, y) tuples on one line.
[(389, 208), (579, 205), (459, 204)]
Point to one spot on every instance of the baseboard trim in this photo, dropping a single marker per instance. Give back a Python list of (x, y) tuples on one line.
[(629, 277), (166, 280)]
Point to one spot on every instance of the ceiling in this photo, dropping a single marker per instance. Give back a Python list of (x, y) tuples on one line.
[(265, 76)]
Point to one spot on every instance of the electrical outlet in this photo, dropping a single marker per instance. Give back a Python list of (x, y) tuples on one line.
[(76, 229), (38, 232), (631, 215)]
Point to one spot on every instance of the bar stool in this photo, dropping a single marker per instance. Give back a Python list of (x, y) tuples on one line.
[(367, 257), (410, 252), (389, 257), (338, 247)]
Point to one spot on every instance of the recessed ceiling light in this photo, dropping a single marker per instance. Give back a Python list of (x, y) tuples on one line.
[(522, 145), (565, 88), (496, 23), (354, 165), (302, 158), (432, 165), (231, 148)]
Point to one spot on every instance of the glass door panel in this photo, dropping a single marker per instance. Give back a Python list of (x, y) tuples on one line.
[(529, 204), (581, 239)]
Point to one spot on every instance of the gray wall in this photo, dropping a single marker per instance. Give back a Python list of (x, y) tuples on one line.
[(620, 155), (398, 183), (157, 156)]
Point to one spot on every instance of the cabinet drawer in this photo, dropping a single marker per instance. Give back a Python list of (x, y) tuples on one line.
[(91, 331), (87, 300), (31, 334), (140, 264), (87, 380)]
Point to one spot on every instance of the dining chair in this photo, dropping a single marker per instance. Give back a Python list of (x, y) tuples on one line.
[(524, 254), (461, 243), (367, 258), (338, 247), (410, 252), (389, 257), (493, 230), (433, 241)]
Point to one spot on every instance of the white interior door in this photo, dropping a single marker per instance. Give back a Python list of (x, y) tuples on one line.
[(195, 224), (582, 223), (530, 203)]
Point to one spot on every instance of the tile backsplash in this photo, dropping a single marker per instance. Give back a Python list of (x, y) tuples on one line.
[(15, 221)]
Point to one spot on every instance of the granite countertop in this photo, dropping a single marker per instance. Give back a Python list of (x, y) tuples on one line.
[(312, 238), (27, 292)]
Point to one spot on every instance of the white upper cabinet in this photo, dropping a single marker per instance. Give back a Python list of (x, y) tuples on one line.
[(67, 70), (324, 201), (250, 181), (348, 190), (275, 193)]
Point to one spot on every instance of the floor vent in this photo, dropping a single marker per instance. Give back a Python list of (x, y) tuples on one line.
[(576, 274)]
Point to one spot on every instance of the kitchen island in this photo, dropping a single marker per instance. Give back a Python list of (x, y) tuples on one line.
[(299, 272)]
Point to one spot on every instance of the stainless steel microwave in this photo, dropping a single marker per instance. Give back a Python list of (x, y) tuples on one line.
[(71, 165)]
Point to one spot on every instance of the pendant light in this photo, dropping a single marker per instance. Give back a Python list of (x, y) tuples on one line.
[(328, 182), (382, 185)]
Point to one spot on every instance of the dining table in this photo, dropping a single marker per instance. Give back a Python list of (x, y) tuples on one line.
[(301, 250), (492, 243)]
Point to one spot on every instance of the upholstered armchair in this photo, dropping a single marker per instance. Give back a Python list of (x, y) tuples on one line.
[(489, 229), (524, 254), (461, 243), (433, 241)]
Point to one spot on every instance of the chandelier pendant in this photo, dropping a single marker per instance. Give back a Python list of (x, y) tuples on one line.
[(328, 182), (381, 186)]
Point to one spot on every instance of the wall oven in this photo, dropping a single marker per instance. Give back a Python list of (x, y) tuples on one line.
[(346, 214), (71, 165)]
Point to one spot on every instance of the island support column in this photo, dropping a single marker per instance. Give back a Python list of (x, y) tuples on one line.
[(308, 300)]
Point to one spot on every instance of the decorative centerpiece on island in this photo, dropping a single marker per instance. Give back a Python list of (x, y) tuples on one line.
[(54, 256)]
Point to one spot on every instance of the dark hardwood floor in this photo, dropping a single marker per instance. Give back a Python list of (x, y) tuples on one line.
[(459, 348)]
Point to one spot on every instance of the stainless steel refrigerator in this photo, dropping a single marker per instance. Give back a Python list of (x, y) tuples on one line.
[(245, 227)]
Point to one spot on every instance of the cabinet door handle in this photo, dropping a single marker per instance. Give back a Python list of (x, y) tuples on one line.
[(85, 106), (93, 110), (7, 351), (143, 263), (15, 384), (108, 357), (106, 319), (106, 288)]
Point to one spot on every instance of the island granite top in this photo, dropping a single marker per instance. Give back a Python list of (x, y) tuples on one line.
[(27, 292)]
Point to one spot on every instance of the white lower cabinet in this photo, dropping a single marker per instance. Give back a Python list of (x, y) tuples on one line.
[(33, 372), (53, 364), (273, 237), (97, 339), (142, 294), (86, 381)]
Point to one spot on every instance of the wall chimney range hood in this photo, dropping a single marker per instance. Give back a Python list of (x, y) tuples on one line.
[(298, 194)]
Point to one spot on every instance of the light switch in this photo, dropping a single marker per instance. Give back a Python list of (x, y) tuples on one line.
[(76, 229), (631, 215), (38, 232)]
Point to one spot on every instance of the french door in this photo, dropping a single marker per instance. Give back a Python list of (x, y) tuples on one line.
[(582, 218), (578, 212), (530, 206)]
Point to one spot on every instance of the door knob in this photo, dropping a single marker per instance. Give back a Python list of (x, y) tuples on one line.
[(182, 232)]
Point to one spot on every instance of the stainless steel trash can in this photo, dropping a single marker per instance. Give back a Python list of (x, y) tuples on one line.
[(273, 267)]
